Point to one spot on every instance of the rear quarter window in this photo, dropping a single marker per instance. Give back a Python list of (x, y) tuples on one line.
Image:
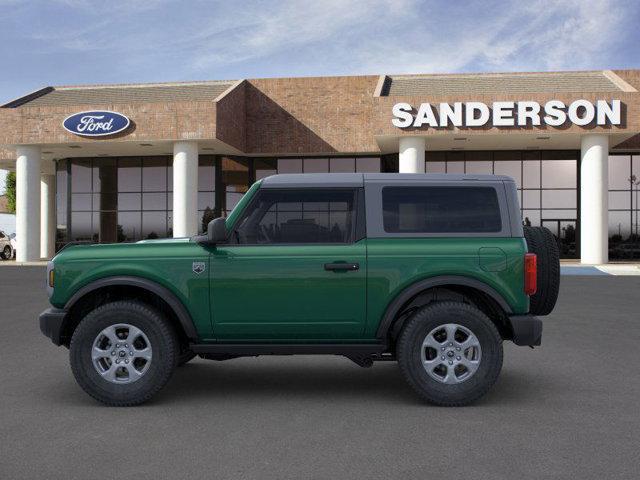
[(441, 209)]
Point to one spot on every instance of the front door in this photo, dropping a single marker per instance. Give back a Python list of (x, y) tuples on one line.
[(293, 269)]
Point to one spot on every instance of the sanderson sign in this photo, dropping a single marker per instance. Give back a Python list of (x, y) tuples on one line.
[(96, 123), (507, 114)]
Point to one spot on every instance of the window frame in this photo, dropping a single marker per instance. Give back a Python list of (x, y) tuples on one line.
[(375, 220), (357, 225)]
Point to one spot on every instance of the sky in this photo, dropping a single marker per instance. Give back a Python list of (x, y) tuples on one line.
[(71, 42)]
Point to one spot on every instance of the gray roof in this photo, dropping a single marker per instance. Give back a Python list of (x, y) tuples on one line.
[(110, 94), (294, 180), (499, 83)]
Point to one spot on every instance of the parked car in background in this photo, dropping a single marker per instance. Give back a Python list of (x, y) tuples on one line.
[(14, 243), (6, 246)]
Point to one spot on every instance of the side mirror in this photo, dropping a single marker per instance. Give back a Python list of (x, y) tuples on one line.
[(217, 231)]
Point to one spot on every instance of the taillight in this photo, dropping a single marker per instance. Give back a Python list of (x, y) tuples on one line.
[(530, 273)]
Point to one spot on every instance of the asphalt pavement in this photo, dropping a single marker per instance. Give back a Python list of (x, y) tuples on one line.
[(569, 409)]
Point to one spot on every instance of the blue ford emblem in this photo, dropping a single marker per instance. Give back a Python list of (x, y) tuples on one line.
[(96, 124)]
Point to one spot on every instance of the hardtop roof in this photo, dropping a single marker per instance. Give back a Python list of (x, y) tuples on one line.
[(293, 180)]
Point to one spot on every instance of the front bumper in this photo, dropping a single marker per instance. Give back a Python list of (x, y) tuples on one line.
[(527, 330), (51, 324)]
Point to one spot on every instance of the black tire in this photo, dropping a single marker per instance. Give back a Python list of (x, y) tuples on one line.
[(542, 242), (6, 253), (409, 353), (163, 342), (184, 357)]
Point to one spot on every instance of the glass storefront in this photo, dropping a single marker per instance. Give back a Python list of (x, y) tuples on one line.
[(624, 190), (547, 184), (125, 199)]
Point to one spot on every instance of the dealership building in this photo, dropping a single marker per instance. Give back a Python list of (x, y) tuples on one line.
[(114, 163)]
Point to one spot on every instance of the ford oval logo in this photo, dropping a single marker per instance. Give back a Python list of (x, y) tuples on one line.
[(96, 124)]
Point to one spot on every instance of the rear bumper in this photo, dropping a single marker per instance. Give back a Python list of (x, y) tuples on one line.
[(527, 330), (51, 322)]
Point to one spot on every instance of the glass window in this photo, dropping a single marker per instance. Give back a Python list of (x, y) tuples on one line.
[(81, 202), (436, 167), (316, 165), (61, 192), (154, 201), (455, 167), (368, 165), (154, 174), (559, 174), (298, 216), (206, 173), (129, 201), (129, 226), (559, 199), (289, 165), (154, 225), (510, 168), (265, 167), (206, 199), (479, 167), (440, 209), (620, 200), (531, 174), (531, 217), (619, 172), (81, 175), (342, 165), (129, 175), (531, 199)]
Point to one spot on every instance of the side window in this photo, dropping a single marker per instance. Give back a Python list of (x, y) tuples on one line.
[(441, 210), (2, 235), (290, 216)]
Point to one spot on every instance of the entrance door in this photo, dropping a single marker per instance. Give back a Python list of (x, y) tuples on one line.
[(293, 269), (565, 232)]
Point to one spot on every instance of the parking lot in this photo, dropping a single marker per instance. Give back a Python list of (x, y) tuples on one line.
[(568, 409)]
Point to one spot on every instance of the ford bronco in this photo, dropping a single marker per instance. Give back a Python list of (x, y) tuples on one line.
[(431, 271)]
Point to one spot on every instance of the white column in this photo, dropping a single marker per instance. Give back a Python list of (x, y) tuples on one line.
[(28, 203), (47, 215), (185, 189), (411, 154), (594, 209)]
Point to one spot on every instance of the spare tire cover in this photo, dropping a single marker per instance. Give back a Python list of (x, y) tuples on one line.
[(542, 242)]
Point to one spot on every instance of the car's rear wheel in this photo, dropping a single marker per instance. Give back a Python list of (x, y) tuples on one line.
[(123, 353), (6, 253), (450, 353)]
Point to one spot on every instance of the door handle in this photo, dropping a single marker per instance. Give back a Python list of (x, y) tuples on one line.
[(338, 267)]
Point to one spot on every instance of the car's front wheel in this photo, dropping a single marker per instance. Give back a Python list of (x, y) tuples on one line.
[(123, 353), (450, 353)]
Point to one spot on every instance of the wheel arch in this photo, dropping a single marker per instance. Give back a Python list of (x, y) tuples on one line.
[(475, 291), (102, 290)]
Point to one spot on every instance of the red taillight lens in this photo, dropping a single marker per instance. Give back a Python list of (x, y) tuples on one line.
[(530, 273)]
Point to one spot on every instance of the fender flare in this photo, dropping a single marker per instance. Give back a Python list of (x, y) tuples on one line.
[(415, 288), (164, 293)]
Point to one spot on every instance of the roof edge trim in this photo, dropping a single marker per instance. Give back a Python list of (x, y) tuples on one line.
[(27, 98), (231, 88), (618, 81), (382, 80)]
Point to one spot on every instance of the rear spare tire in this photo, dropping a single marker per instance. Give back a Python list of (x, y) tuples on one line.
[(542, 242)]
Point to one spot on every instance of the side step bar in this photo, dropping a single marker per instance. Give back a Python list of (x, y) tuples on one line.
[(346, 349)]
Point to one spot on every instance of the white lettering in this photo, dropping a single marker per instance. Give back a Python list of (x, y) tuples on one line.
[(610, 113), (88, 124), (453, 115), (555, 115), (523, 113), (589, 112), (503, 114), (528, 111), (402, 113), (425, 116), (470, 114)]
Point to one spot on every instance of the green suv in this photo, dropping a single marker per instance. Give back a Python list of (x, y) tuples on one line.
[(431, 271)]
